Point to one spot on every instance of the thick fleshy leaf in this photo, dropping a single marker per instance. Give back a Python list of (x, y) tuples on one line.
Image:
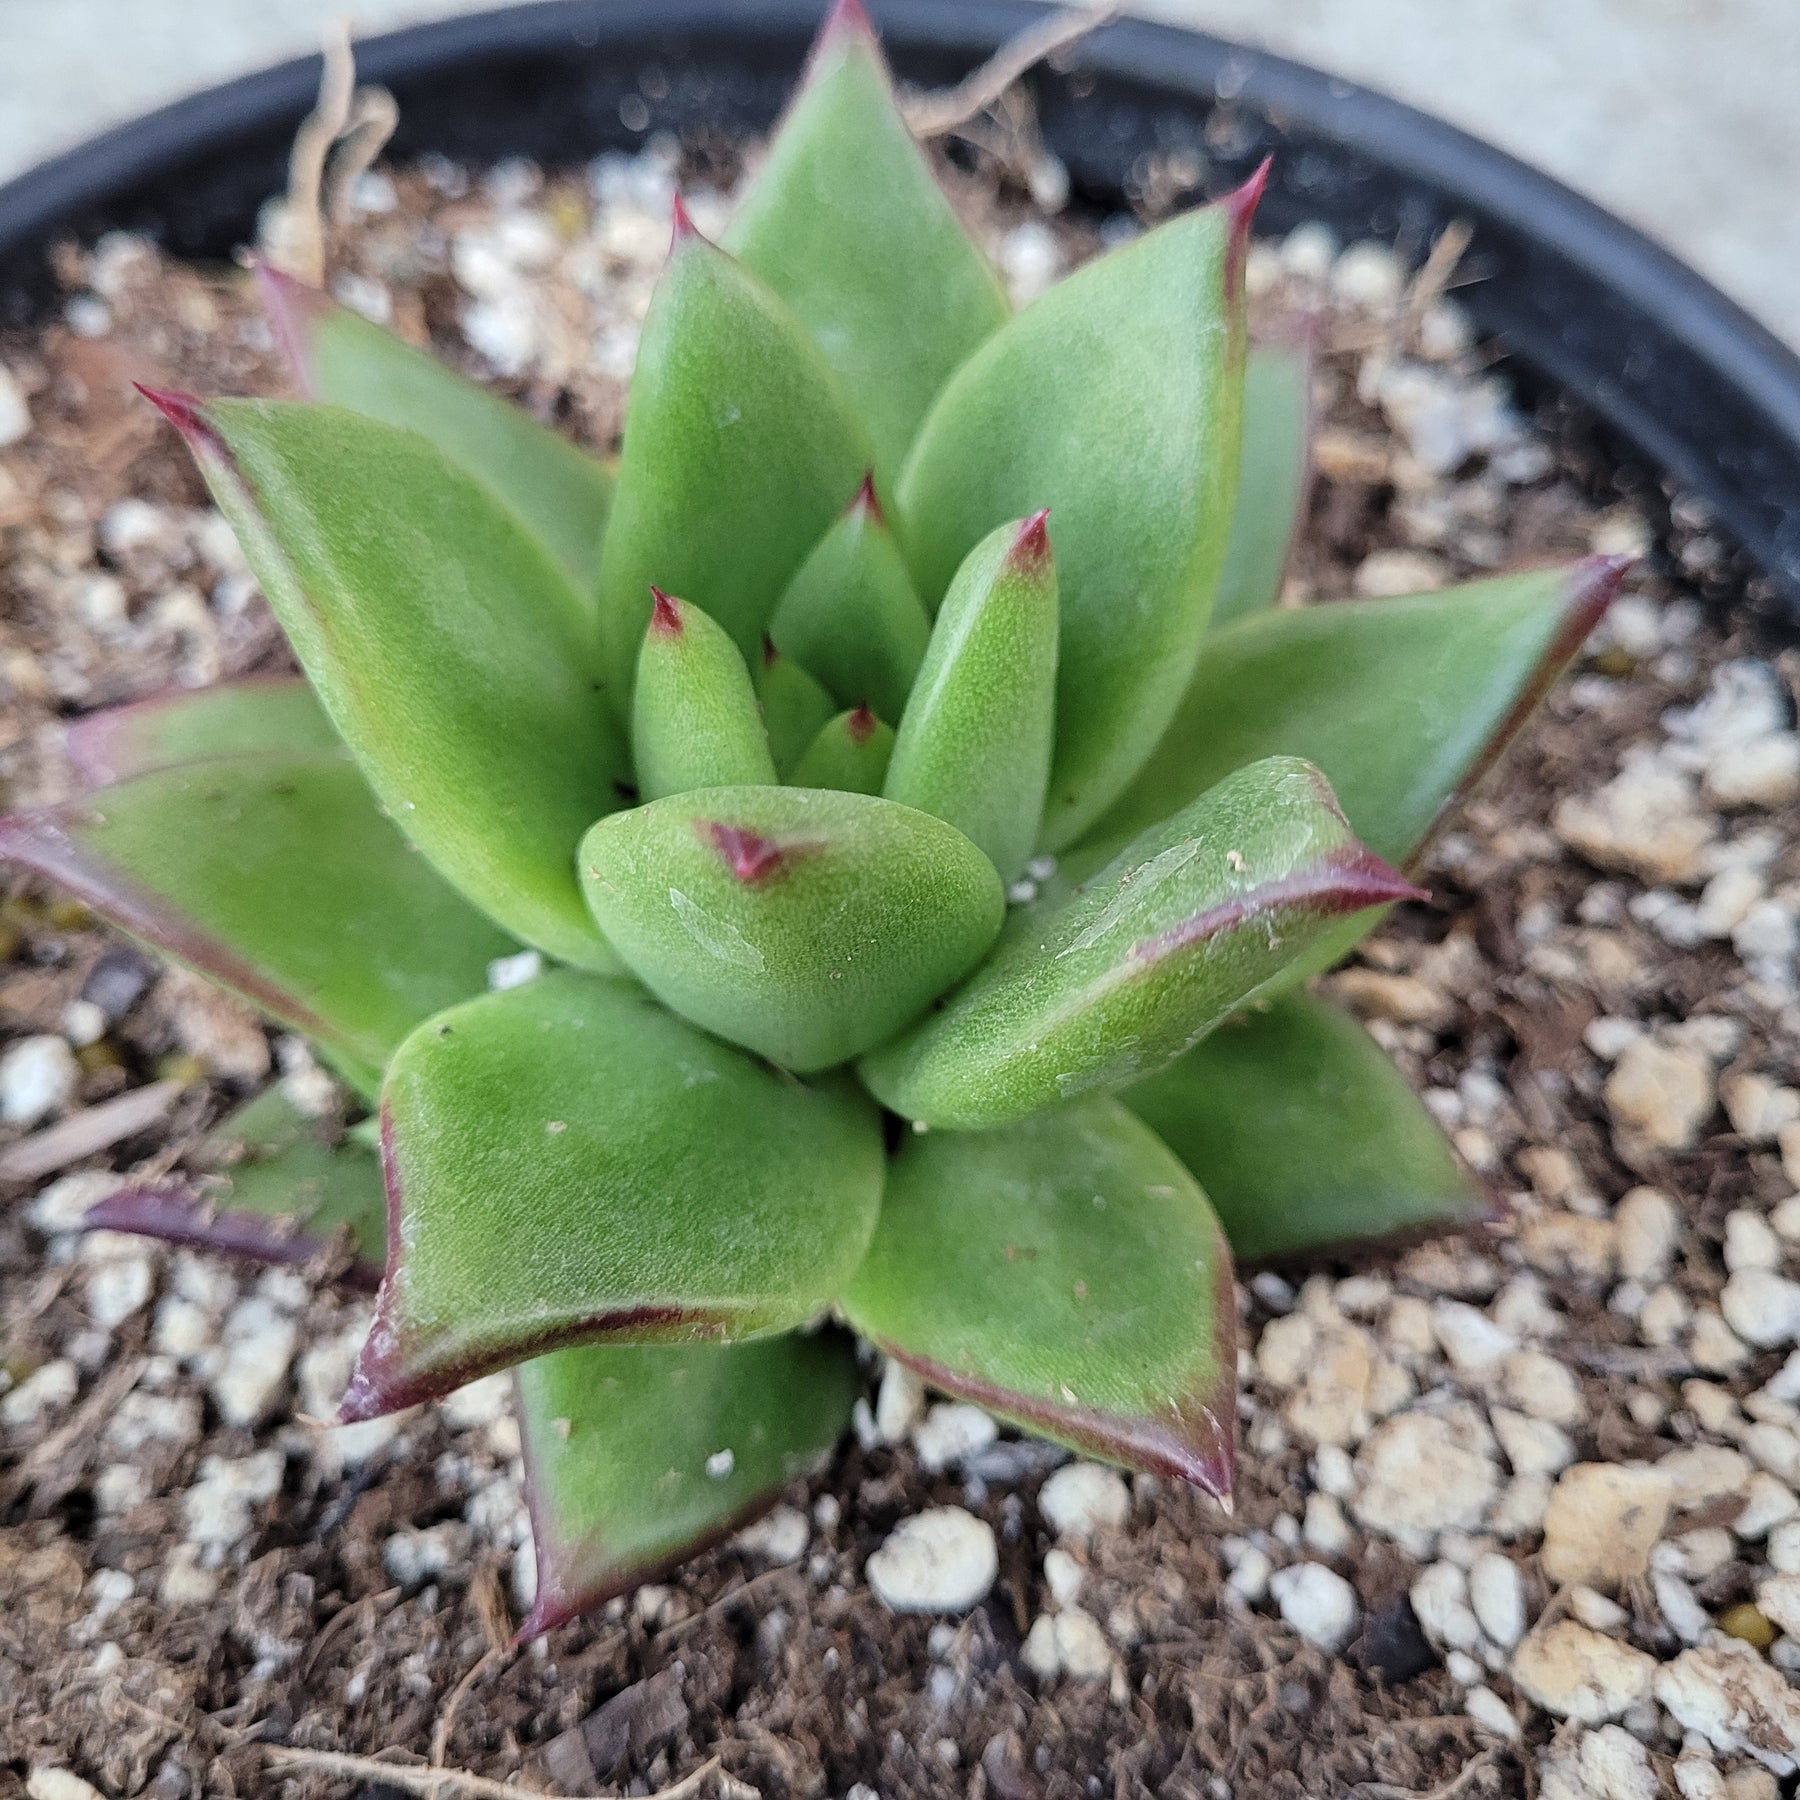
[(804, 924), (637, 1458), (851, 752), (975, 743), (1272, 474), (847, 224), (273, 1187), (1114, 401), (262, 712), (567, 1162), (275, 875), (440, 636), (851, 617), (1403, 703), (1111, 984), (1068, 1274), (795, 708), (561, 494), (740, 450), (694, 717), (1304, 1135)]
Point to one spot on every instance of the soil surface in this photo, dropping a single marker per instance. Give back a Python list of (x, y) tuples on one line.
[(200, 1584)]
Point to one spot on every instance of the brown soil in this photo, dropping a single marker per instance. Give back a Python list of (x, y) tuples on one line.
[(795, 1680)]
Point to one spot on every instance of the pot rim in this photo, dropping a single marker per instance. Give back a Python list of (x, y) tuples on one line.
[(1690, 381)]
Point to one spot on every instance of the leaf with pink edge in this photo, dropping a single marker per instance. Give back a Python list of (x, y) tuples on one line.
[(446, 645), (559, 493), (1305, 1136), (1066, 1273), (636, 1458), (568, 1163), (1403, 703), (1102, 988), (275, 875), (261, 712)]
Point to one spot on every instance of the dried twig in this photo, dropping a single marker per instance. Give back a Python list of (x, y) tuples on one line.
[(358, 121), (935, 114), (92, 1129), (440, 1738), (1385, 1790), (446, 1784)]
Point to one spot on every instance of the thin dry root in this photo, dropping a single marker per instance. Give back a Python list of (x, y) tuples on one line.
[(935, 114), (357, 122), (456, 1784)]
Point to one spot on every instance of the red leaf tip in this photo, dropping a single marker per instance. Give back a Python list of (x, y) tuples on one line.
[(866, 500), (1594, 585), (185, 413), (751, 857), (847, 18), (861, 725), (1240, 208), (665, 614), (1030, 550), (683, 223)]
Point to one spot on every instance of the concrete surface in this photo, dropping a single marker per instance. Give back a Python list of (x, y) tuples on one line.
[(1677, 114)]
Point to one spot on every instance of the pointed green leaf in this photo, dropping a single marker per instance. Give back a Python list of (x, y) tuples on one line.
[(795, 708), (851, 617), (638, 1458), (1067, 1274), (740, 450), (567, 1163), (558, 492), (1272, 475), (846, 222), (1403, 703), (262, 712), (1304, 1135), (804, 924), (277, 1189), (275, 875), (1113, 401), (440, 637), (1111, 984), (975, 743), (851, 753), (694, 718)]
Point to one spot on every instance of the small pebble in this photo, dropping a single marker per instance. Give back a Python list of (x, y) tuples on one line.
[(951, 1433), (1762, 1307), (59, 1784), (1577, 1674), (1318, 1603), (38, 1077), (1497, 1594), (1081, 1499), (899, 1402), (778, 1538), (941, 1560)]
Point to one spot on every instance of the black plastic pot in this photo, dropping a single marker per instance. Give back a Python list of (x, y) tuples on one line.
[(1687, 381)]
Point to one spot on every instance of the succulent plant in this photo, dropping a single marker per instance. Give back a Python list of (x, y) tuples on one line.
[(925, 816)]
